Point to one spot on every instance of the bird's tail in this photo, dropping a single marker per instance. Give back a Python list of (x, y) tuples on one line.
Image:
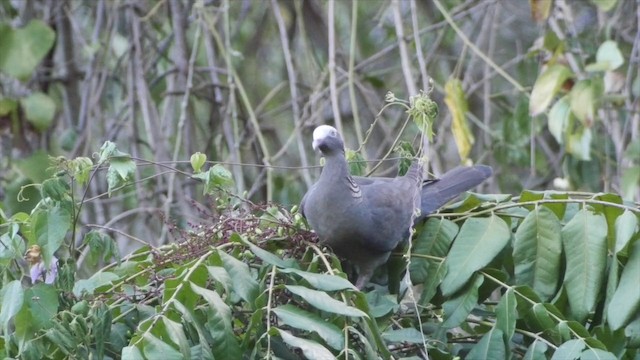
[(436, 193)]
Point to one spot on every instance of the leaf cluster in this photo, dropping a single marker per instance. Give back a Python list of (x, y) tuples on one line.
[(542, 275)]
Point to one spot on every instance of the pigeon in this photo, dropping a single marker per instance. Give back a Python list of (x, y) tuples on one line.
[(363, 219)]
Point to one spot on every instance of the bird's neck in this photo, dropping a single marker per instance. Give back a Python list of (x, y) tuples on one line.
[(336, 176), (334, 164)]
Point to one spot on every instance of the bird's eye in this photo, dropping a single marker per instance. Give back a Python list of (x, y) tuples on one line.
[(334, 133)]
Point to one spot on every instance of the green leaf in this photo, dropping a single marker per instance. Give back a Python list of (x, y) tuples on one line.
[(106, 151), (55, 188), (569, 350), (61, 336), (491, 346), (12, 246), (584, 99), (310, 349), (404, 335), (546, 87), (551, 41), (12, 295), (585, 246), (197, 161), (89, 285), (597, 354), (516, 133), (23, 328), (21, 50), (68, 139), (176, 335), (608, 57), (245, 284), (370, 327), (123, 166), (196, 327), (220, 324), (530, 196), (506, 314), (626, 225), (630, 181), (101, 247), (611, 214), (559, 119), (423, 111), (50, 227), (579, 144), (632, 332), (474, 200), (219, 274), (573, 328), (131, 353), (114, 181), (613, 340), (82, 168), (324, 302), (101, 330), (39, 109), (605, 5), (405, 151), (538, 317), (42, 301), (304, 320), (217, 177), (536, 351), (324, 282), (155, 348), (536, 252), (479, 241), (7, 106), (381, 304), (357, 164), (558, 208), (436, 270), (625, 302), (268, 257), (32, 167), (434, 239), (496, 278), (613, 278), (458, 308), (530, 199)]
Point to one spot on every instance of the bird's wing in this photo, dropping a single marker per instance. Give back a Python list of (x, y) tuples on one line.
[(389, 206), (304, 200)]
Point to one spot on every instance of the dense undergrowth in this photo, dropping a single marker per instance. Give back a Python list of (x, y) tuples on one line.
[(544, 274)]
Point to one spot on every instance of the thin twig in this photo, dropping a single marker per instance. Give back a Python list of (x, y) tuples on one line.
[(293, 89), (335, 105), (402, 47)]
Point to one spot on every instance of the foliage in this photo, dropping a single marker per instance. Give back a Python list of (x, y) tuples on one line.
[(545, 274), (549, 103)]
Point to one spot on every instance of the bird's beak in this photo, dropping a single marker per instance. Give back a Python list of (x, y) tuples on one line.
[(316, 144)]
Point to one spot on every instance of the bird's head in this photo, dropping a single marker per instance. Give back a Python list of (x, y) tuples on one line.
[(327, 140)]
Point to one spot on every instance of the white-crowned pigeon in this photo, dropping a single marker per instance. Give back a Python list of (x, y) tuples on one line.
[(362, 219)]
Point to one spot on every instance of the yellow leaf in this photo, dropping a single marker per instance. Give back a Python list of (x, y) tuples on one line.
[(546, 87), (457, 104), (540, 9), (585, 97)]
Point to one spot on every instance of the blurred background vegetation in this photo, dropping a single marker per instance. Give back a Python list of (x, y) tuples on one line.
[(544, 91)]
